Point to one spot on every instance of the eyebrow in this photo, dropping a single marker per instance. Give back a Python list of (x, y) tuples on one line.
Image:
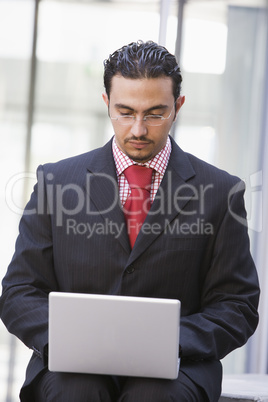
[(156, 107)]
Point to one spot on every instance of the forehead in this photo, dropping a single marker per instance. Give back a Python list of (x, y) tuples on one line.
[(144, 92)]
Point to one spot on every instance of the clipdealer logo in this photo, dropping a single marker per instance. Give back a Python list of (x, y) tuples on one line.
[(69, 199), (254, 220), (108, 227), (56, 194)]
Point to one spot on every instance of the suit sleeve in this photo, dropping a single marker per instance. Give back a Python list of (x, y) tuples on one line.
[(230, 293), (30, 275)]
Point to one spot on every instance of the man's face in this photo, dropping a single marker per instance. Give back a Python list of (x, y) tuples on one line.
[(140, 98)]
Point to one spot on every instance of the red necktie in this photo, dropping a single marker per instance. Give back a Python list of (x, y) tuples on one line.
[(138, 203)]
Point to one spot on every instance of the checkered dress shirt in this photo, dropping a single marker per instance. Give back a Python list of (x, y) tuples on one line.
[(158, 163)]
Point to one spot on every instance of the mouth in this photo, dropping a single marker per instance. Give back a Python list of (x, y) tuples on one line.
[(139, 144)]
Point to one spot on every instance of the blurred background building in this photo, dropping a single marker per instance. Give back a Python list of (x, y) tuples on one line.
[(51, 68)]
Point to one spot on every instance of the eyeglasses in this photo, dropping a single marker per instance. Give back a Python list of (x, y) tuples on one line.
[(150, 119)]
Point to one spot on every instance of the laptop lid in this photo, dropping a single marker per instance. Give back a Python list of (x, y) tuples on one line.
[(114, 335)]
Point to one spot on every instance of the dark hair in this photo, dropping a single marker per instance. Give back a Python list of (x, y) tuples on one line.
[(142, 60)]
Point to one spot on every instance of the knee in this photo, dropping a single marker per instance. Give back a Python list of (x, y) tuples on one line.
[(84, 388), (146, 390), (132, 397), (157, 390), (65, 387)]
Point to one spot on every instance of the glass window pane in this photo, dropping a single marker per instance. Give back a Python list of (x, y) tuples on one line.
[(16, 27), (222, 118), (73, 41)]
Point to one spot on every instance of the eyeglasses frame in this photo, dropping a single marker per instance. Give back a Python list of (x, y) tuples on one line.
[(134, 118)]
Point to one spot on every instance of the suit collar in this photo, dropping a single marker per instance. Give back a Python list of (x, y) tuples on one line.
[(102, 160), (180, 163)]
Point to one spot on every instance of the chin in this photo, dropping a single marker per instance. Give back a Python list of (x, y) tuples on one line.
[(139, 158)]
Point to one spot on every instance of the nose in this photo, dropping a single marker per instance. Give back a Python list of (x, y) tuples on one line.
[(138, 128)]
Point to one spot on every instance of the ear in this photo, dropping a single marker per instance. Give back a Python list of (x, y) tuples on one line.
[(105, 98), (179, 102)]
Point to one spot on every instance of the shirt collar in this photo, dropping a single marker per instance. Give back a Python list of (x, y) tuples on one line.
[(158, 162)]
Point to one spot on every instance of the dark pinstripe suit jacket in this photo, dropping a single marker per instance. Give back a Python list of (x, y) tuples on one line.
[(194, 247)]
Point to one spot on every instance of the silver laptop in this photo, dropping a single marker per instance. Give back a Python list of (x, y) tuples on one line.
[(114, 335)]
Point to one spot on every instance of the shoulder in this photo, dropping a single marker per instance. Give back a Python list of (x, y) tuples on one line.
[(191, 167), (75, 164), (207, 172)]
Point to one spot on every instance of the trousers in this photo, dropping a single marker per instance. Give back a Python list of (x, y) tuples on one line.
[(66, 387)]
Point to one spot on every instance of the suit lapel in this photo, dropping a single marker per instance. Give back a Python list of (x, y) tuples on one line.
[(102, 189), (172, 196)]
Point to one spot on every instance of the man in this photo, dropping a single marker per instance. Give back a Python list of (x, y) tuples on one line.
[(192, 246)]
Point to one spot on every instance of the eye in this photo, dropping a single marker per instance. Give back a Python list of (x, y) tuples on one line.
[(157, 113), (125, 114), (154, 117)]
